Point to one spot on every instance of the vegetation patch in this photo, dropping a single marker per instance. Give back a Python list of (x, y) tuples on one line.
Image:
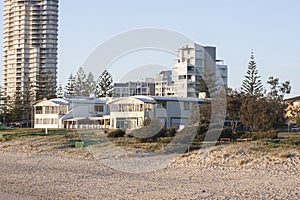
[(116, 133)]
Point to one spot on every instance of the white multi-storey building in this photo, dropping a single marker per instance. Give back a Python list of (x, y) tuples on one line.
[(164, 85), (190, 66), (30, 45), (130, 112), (193, 63), (103, 113), (74, 112)]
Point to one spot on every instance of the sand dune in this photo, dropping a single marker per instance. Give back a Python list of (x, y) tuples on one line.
[(226, 172)]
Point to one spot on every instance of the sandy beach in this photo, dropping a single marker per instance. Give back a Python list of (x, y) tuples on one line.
[(235, 171)]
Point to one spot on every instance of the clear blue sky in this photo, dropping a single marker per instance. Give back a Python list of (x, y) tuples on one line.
[(269, 27)]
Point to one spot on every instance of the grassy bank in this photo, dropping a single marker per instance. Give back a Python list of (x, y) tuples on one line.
[(68, 140), (11, 134)]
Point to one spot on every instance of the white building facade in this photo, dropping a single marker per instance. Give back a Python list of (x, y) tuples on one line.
[(131, 112), (191, 64), (126, 112), (164, 84), (71, 113), (49, 113)]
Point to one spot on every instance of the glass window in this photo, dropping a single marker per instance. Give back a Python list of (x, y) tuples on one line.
[(98, 108), (186, 105)]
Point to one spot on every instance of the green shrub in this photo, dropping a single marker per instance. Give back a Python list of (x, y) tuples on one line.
[(2, 139), (200, 138), (290, 141), (149, 131), (245, 135), (171, 132), (202, 129), (258, 135), (165, 140), (227, 133), (201, 132), (79, 144), (116, 133)]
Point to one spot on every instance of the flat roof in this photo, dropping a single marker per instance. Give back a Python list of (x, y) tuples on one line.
[(297, 98), (186, 99), (87, 101)]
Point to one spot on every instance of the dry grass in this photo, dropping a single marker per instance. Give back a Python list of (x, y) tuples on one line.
[(65, 144)]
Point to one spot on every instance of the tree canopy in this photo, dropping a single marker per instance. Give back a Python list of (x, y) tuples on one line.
[(252, 85), (105, 85)]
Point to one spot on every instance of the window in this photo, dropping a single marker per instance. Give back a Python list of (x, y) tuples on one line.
[(63, 110), (162, 104), (39, 110), (148, 107), (182, 77), (98, 108), (186, 105)]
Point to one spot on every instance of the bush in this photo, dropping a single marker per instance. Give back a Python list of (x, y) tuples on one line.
[(171, 132), (149, 131), (227, 133), (200, 138), (2, 139), (259, 135), (243, 135), (202, 129), (116, 133)]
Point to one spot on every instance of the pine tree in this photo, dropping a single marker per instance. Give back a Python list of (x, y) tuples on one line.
[(17, 109), (80, 83), (252, 84), (2, 97), (29, 101), (70, 87), (90, 84), (46, 85), (60, 93), (2, 105), (105, 84), (6, 112)]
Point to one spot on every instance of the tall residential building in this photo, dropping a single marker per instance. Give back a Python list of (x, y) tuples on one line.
[(190, 67), (30, 46)]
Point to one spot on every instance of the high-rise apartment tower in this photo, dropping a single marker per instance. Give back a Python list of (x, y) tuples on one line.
[(30, 46)]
